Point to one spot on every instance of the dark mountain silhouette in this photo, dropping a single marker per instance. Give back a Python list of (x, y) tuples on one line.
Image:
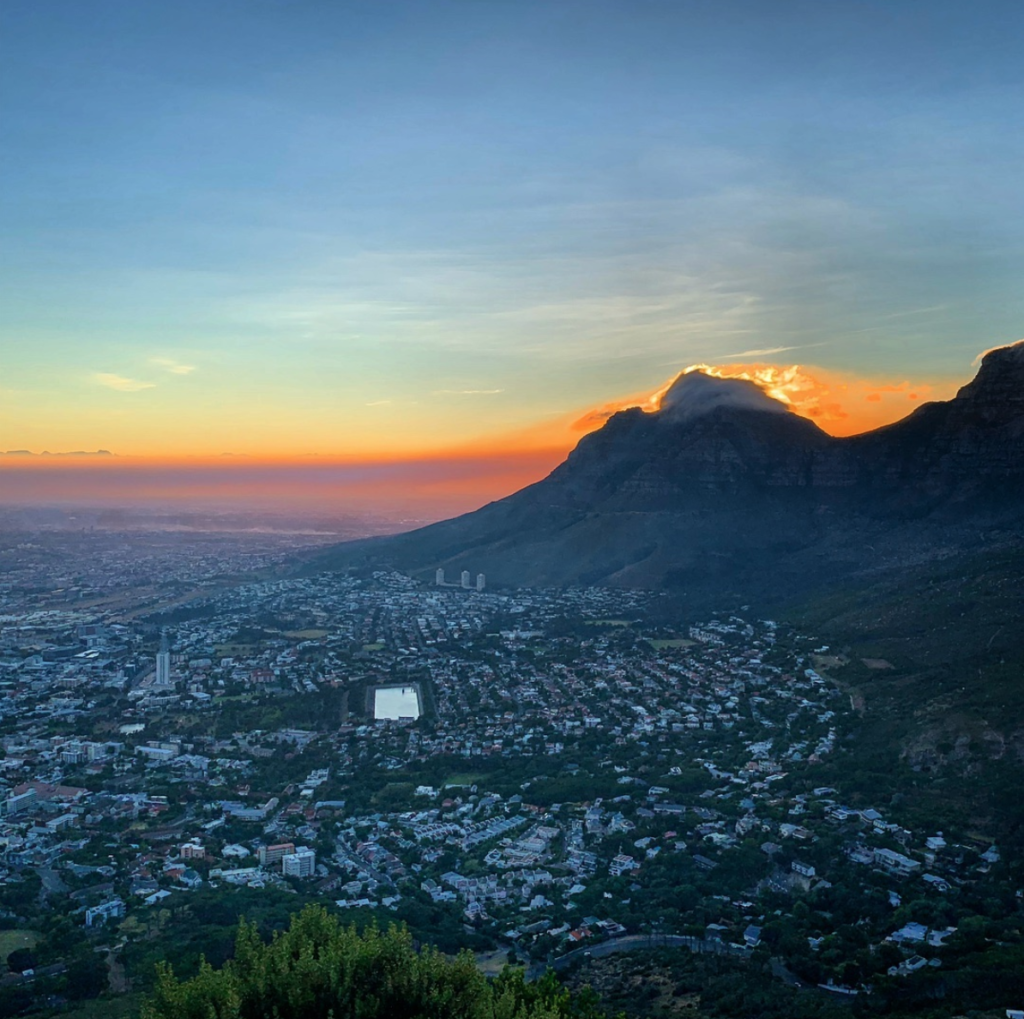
[(724, 492)]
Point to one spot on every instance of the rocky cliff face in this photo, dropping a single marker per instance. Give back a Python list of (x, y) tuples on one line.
[(644, 462), (724, 485), (996, 394), (963, 450)]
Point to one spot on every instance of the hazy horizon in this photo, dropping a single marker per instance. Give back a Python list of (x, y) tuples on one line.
[(392, 491)]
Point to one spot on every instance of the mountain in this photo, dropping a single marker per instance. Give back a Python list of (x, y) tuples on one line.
[(902, 548), (724, 493)]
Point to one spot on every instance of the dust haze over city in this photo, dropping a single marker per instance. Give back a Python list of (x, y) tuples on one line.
[(511, 510)]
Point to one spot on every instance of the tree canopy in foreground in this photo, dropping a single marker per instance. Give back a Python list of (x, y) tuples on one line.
[(319, 969)]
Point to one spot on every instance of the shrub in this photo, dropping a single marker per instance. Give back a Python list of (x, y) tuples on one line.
[(318, 969)]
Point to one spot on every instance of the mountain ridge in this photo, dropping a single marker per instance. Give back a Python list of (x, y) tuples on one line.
[(725, 486), (904, 545)]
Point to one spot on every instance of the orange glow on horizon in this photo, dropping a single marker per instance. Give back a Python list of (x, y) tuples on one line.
[(422, 488), (839, 403), (439, 482)]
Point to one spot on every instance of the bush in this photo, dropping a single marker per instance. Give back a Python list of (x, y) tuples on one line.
[(21, 959), (318, 969)]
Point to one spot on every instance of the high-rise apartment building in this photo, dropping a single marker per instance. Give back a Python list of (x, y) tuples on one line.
[(163, 663), (301, 863), (269, 855)]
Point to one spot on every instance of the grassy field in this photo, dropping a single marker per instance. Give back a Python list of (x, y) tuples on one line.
[(639, 984), (467, 778), (306, 634), (491, 963), (373, 647), (660, 645), (12, 940), (235, 650)]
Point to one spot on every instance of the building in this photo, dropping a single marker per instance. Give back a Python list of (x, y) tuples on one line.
[(240, 812), (301, 863), (73, 753), (159, 752), (15, 804), (439, 577), (481, 581), (895, 863), (269, 855), (103, 912), (940, 885), (466, 580), (163, 663)]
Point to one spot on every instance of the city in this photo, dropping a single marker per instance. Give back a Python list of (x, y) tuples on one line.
[(532, 774)]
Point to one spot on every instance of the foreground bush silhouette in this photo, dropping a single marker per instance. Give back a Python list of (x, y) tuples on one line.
[(318, 969)]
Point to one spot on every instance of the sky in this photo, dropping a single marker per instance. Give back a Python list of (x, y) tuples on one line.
[(284, 229)]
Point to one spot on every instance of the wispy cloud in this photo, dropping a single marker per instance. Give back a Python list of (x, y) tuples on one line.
[(120, 383), (467, 392), (768, 351), (379, 403), (762, 352), (174, 367)]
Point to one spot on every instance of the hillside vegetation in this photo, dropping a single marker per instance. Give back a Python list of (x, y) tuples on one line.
[(319, 969), (935, 660)]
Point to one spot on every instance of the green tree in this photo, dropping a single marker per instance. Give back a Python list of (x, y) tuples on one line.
[(86, 978), (21, 959), (318, 969)]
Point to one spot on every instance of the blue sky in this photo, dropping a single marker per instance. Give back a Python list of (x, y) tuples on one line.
[(345, 227)]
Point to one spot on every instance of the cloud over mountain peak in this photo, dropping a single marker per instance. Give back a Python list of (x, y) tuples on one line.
[(696, 393)]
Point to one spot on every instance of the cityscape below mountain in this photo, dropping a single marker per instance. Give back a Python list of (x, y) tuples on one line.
[(723, 717)]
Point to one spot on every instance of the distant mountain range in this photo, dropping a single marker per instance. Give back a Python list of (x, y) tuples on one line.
[(46, 452), (723, 492)]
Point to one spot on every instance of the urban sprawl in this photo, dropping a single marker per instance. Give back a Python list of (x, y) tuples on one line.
[(553, 770)]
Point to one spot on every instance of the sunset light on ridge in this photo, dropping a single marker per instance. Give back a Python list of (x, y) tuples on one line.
[(840, 404)]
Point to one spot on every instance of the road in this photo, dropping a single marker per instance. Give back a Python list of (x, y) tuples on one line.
[(637, 943), (52, 883), (644, 942)]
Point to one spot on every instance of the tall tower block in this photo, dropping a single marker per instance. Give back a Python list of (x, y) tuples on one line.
[(439, 577), (481, 581), (466, 582), (163, 663)]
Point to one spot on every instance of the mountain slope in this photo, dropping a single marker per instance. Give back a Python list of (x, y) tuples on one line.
[(903, 546), (723, 492)]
